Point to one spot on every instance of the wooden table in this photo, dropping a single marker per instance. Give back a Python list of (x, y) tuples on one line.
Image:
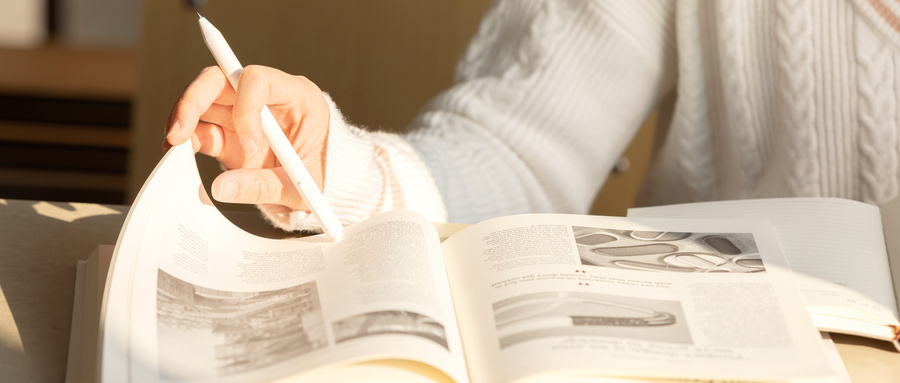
[(41, 245), (42, 242)]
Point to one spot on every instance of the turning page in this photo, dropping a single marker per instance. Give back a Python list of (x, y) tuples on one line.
[(193, 298), (560, 296)]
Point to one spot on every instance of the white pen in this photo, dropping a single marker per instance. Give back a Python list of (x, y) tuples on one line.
[(275, 136)]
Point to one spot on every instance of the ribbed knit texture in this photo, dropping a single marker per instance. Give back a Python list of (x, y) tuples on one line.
[(800, 99), (774, 98)]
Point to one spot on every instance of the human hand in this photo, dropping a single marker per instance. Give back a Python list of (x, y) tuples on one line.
[(225, 124)]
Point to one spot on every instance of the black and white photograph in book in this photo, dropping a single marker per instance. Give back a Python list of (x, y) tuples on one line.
[(668, 251), (206, 333), (570, 313), (389, 322)]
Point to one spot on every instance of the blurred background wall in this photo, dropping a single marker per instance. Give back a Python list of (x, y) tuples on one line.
[(86, 85)]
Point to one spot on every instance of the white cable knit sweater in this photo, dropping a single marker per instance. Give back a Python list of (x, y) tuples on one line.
[(758, 99)]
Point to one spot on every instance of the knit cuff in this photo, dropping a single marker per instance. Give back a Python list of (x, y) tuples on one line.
[(354, 184)]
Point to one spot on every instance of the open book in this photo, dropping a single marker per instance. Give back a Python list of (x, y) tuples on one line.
[(839, 251), (190, 297)]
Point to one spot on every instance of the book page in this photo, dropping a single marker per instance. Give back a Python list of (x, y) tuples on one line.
[(75, 360), (602, 296), (890, 217), (835, 247), (194, 298)]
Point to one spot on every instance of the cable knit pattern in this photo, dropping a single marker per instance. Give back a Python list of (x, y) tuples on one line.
[(691, 124), (534, 26), (877, 119), (730, 24), (532, 137), (775, 98), (795, 62)]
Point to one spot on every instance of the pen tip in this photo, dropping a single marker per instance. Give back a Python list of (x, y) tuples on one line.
[(198, 15)]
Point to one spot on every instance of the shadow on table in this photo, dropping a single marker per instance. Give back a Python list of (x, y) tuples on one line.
[(43, 242)]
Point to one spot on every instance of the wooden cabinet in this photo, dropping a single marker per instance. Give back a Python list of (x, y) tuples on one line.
[(64, 122)]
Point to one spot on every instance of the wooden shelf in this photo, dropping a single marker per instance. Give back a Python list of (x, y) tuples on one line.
[(50, 179), (57, 70), (64, 134), (64, 121)]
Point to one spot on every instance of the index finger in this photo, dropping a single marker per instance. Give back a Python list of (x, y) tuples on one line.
[(210, 86), (260, 86)]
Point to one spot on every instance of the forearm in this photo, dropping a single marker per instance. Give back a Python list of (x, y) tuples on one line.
[(547, 98), (545, 102)]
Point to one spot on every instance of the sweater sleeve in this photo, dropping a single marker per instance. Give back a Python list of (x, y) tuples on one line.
[(366, 173), (547, 97)]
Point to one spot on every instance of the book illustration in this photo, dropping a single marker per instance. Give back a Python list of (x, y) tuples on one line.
[(569, 313), (837, 249), (668, 251), (389, 322), (246, 330)]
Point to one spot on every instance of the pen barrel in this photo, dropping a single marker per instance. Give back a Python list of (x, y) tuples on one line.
[(299, 175), (222, 52)]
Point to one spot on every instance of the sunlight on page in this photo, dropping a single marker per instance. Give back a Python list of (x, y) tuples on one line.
[(387, 370), (77, 211), (9, 332)]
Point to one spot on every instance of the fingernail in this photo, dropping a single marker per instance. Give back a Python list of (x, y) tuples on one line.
[(175, 129), (227, 192), (249, 145)]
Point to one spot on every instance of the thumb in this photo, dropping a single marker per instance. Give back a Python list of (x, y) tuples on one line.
[(257, 186)]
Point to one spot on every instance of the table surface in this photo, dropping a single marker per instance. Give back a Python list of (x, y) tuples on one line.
[(43, 242)]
